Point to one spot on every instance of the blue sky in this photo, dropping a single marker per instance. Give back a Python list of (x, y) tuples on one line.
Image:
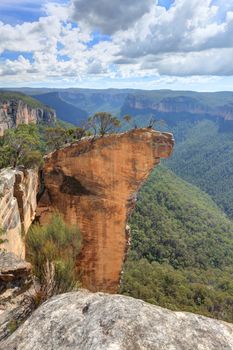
[(148, 44)]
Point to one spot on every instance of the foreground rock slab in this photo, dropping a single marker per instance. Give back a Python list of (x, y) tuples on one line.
[(93, 184), (88, 321)]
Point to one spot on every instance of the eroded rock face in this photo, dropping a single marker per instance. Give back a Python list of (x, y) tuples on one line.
[(18, 191), (14, 112), (94, 185), (15, 285), (100, 321)]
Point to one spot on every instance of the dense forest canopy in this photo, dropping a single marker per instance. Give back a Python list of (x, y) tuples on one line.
[(184, 242), (204, 157)]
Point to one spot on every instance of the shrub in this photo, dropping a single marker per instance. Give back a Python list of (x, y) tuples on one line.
[(21, 146), (52, 249)]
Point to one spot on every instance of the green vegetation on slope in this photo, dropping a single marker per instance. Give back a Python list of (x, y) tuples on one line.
[(205, 158), (65, 111), (182, 249), (30, 101)]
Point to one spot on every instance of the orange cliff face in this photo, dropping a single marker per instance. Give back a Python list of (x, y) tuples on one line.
[(94, 185)]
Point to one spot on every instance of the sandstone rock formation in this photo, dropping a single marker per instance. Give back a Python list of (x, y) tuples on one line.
[(100, 321), (93, 183), (18, 191), (15, 284), (15, 111)]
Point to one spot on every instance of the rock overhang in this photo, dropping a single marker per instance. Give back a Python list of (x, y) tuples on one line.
[(93, 184)]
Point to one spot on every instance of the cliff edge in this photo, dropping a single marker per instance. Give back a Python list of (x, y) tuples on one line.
[(93, 184), (16, 108)]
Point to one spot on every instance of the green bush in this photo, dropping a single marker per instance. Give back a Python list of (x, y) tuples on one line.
[(21, 146), (54, 246)]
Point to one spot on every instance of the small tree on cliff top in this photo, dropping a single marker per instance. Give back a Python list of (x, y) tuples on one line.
[(102, 123), (57, 137), (21, 146)]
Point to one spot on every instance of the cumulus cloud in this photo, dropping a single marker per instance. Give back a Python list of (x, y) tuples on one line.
[(209, 62), (191, 38), (189, 25), (110, 16)]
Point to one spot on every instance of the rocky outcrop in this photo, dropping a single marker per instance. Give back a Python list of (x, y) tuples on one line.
[(94, 184), (15, 295), (15, 111), (99, 321), (18, 191)]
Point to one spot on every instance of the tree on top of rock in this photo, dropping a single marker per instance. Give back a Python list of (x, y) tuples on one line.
[(21, 146), (103, 123)]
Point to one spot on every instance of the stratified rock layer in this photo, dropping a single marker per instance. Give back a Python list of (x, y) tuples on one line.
[(18, 191), (99, 321), (14, 112), (94, 183)]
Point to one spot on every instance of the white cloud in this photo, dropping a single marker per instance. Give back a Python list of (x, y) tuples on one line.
[(110, 16), (192, 38)]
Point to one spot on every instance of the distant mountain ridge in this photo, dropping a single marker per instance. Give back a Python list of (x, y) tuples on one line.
[(65, 111), (74, 105)]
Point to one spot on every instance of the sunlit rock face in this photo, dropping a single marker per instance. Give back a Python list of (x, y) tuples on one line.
[(14, 112), (98, 321), (18, 191), (94, 183)]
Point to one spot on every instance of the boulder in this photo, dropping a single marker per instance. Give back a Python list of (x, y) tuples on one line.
[(97, 321)]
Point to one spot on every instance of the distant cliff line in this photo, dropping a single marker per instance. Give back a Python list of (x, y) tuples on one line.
[(16, 108)]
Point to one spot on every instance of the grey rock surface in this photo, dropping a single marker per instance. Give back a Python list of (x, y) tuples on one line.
[(18, 202), (87, 321), (10, 263), (16, 291)]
